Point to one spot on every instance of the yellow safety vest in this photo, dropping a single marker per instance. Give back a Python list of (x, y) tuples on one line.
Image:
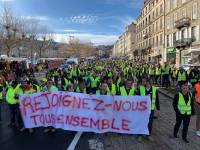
[(99, 93), (94, 82), (112, 90), (182, 76), (124, 93), (1, 95), (183, 107), (153, 100), (10, 95)]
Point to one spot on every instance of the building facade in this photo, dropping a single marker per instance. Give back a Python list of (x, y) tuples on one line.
[(126, 43), (150, 32), (182, 37)]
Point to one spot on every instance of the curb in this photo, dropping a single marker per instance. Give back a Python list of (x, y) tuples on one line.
[(166, 94)]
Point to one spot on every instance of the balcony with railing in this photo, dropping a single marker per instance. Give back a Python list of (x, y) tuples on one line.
[(186, 42), (146, 35), (183, 22)]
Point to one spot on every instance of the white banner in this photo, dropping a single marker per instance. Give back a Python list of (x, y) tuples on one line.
[(87, 113)]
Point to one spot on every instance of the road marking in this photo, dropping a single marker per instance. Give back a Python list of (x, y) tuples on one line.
[(75, 141)]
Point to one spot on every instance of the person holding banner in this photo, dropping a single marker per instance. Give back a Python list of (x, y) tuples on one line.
[(147, 89), (43, 86), (183, 105), (128, 89), (80, 85), (26, 88), (70, 88), (50, 88), (111, 86), (11, 98), (103, 89)]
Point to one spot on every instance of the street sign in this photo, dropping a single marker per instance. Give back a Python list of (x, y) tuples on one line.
[(171, 52)]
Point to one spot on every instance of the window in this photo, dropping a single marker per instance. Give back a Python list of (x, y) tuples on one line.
[(174, 38), (153, 15), (161, 23), (183, 12), (156, 40), (174, 3), (168, 22), (149, 19), (194, 33), (161, 8), (194, 11), (157, 12), (153, 41), (167, 40), (152, 28), (156, 26), (161, 39), (167, 6), (175, 18), (183, 34), (149, 42)]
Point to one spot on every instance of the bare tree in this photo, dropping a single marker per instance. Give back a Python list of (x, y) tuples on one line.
[(80, 49), (74, 46), (10, 27), (22, 34)]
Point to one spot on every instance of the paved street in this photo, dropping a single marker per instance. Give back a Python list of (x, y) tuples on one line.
[(12, 139)]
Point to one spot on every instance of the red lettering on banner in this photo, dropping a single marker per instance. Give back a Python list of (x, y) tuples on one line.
[(60, 99), (105, 124), (69, 120), (84, 121), (143, 106), (117, 105), (42, 119), (34, 118), (126, 104), (55, 100), (108, 105), (85, 103), (67, 100), (113, 125), (26, 102), (98, 104), (94, 123), (48, 118), (125, 124), (135, 106), (37, 102), (76, 121), (60, 119), (76, 103), (53, 119)]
